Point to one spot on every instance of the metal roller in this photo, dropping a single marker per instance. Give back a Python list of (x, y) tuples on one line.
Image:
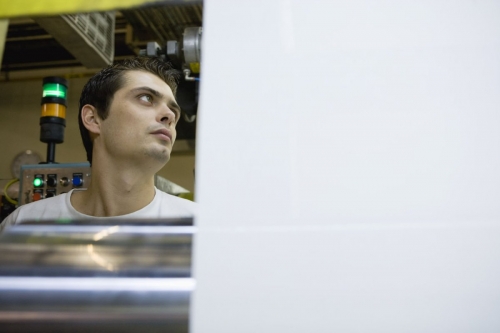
[(120, 276)]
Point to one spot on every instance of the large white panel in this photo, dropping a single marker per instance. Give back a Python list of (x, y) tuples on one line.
[(347, 167), (388, 278), (351, 110), (243, 141)]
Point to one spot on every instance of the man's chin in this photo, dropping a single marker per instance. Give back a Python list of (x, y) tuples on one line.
[(159, 155)]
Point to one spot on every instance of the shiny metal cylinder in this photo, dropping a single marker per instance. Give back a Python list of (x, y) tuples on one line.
[(111, 276), (192, 44), (90, 304)]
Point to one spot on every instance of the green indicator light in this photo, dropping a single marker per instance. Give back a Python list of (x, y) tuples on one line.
[(37, 182), (54, 90)]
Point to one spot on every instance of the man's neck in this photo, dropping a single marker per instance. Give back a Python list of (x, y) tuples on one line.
[(115, 191)]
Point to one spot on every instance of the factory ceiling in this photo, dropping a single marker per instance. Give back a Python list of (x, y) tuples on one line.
[(29, 47)]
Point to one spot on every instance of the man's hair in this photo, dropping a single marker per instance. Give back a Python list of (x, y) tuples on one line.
[(101, 88)]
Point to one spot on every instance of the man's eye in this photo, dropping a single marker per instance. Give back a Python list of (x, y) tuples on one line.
[(146, 98)]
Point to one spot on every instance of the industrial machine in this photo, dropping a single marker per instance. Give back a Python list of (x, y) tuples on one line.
[(53, 115), (41, 181), (185, 55)]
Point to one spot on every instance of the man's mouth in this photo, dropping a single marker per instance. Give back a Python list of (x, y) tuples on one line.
[(163, 134)]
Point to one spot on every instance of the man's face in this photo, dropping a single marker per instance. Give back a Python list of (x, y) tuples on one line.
[(141, 121)]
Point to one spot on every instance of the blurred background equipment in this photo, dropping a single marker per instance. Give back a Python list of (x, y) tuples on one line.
[(48, 180), (9, 188), (43, 181), (89, 37), (23, 158), (185, 54)]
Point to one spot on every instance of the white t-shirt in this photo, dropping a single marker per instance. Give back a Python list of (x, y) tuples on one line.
[(59, 207)]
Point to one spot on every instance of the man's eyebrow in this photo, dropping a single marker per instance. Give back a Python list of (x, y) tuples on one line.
[(151, 90), (173, 105)]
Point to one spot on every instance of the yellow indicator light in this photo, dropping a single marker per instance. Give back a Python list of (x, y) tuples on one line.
[(53, 110)]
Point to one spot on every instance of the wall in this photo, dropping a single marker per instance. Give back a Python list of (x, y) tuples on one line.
[(20, 130)]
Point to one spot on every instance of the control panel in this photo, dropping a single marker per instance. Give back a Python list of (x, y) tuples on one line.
[(41, 181)]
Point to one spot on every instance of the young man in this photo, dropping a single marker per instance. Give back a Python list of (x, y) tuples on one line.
[(127, 121)]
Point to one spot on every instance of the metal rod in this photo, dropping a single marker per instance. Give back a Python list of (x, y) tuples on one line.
[(51, 152)]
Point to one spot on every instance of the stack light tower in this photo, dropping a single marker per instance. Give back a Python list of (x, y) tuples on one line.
[(53, 115)]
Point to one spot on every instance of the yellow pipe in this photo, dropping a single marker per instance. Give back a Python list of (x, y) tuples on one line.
[(6, 187), (59, 7)]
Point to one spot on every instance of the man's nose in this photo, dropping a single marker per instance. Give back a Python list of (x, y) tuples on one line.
[(166, 115)]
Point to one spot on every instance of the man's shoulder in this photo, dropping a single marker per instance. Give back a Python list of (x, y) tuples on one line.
[(170, 197), (172, 203), (48, 208)]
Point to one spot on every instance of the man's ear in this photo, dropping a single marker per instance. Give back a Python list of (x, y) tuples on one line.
[(91, 119)]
